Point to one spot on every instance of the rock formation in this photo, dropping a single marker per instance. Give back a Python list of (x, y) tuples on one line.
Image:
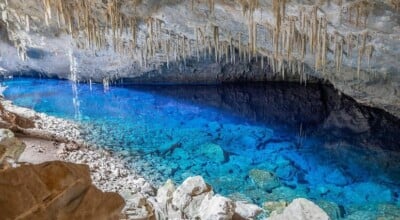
[(10, 147), (55, 190), (354, 44), (300, 209), (195, 199)]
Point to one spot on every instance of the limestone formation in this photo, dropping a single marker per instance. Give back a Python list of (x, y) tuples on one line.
[(195, 199), (55, 190), (301, 209)]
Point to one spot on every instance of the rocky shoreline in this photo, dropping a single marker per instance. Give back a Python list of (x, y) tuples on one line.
[(56, 139)]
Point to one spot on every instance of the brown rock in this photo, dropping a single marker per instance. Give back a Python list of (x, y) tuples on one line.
[(55, 190)]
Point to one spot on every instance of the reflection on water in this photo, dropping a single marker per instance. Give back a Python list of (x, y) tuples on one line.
[(260, 142)]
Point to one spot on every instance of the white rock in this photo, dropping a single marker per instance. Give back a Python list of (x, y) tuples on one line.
[(301, 209), (245, 210), (164, 193), (216, 208), (191, 187), (188, 197)]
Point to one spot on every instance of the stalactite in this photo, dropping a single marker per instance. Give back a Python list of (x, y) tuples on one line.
[(361, 52), (211, 6), (369, 51), (216, 42), (395, 4), (240, 46), (27, 26)]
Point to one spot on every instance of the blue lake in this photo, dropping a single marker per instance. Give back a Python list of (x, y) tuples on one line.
[(258, 142)]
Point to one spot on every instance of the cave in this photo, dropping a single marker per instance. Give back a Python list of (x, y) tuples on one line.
[(200, 109)]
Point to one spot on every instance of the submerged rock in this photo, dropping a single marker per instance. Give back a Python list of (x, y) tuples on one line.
[(55, 190), (276, 207), (301, 209), (336, 177), (212, 151), (264, 179)]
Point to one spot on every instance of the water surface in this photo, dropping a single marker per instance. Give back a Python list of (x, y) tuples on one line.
[(258, 142)]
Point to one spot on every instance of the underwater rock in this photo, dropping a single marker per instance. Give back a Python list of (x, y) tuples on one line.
[(286, 193), (216, 207), (248, 142), (214, 127), (179, 153), (285, 172), (244, 210), (388, 211), (264, 179), (366, 192), (301, 209), (336, 177), (55, 190), (10, 147), (332, 209), (212, 151), (275, 206)]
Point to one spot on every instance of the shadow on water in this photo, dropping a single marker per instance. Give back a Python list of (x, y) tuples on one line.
[(312, 110), (361, 141)]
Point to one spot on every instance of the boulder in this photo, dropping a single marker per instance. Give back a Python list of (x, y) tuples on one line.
[(189, 195), (138, 207), (216, 208), (244, 210), (165, 193), (336, 177), (264, 179), (212, 151), (10, 146), (300, 209), (195, 199), (55, 190)]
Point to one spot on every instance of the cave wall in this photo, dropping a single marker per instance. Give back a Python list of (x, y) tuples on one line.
[(354, 44)]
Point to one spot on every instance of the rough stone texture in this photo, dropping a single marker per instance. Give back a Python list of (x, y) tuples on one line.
[(55, 190), (10, 146), (369, 28), (194, 199), (244, 210), (301, 209), (216, 207), (264, 179)]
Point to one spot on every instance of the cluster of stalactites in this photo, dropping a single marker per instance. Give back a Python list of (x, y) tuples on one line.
[(356, 13), (395, 4), (78, 17), (294, 38)]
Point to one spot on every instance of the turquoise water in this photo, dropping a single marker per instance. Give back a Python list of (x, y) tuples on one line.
[(259, 142)]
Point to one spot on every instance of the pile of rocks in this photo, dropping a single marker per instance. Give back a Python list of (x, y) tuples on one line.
[(192, 199)]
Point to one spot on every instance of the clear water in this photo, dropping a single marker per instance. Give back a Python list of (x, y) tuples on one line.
[(317, 144)]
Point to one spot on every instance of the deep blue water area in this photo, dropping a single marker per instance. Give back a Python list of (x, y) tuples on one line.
[(259, 142)]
